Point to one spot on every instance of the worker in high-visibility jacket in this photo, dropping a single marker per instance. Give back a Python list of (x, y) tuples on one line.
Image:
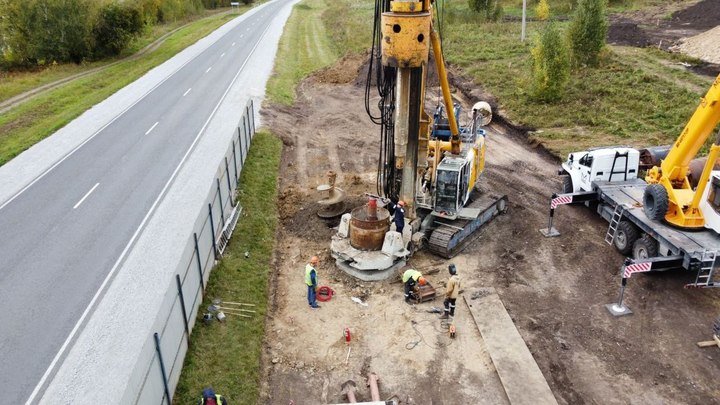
[(311, 279), (451, 292), (409, 278), (209, 397)]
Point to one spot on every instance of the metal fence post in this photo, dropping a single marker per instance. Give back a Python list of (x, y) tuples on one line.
[(247, 114), (240, 145), (162, 368), (237, 175), (245, 133), (222, 209), (212, 230), (182, 306), (252, 110), (199, 262), (227, 171)]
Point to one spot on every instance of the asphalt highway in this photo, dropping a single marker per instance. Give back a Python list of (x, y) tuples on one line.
[(72, 227)]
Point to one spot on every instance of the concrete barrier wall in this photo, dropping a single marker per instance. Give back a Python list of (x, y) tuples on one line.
[(161, 360)]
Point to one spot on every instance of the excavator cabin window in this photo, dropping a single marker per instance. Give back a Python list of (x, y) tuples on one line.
[(446, 194)]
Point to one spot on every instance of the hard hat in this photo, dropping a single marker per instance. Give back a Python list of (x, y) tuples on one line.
[(314, 260), (401, 203), (452, 269), (422, 280)]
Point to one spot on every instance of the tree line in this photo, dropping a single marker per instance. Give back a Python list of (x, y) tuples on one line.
[(41, 32)]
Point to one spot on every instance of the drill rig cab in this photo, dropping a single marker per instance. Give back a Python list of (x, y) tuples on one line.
[(431, 164), (451, 188)]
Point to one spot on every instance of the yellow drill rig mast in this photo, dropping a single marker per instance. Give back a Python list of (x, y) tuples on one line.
[(407, 31)]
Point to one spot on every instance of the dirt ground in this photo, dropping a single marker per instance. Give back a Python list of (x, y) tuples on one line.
[(684, 26), (554, 289)]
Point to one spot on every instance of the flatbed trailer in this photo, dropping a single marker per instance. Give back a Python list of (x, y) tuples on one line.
[(661, 246)]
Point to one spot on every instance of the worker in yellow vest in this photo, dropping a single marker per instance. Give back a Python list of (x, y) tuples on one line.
[(409, 278), (311, 279)]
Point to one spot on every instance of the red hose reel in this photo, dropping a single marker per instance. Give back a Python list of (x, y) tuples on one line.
[(324, 293)]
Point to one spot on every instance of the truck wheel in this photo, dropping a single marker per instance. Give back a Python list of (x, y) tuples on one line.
[(655, 201), (645, 247), (625, 236), (567, 185)]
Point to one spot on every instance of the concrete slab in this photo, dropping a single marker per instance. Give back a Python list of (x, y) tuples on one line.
[(520, 375), (370, 275)]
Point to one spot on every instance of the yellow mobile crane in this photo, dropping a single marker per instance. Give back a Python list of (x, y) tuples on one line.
[(669, 194), (660, 222), (432, 165)]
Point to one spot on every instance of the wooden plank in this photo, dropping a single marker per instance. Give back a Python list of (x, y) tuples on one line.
[(708, 343), (519, 374)]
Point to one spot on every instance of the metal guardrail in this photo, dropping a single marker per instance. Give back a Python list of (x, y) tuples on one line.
[(158, 371)]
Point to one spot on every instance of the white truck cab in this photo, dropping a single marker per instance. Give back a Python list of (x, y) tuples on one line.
[(602, 164), (710, 202)]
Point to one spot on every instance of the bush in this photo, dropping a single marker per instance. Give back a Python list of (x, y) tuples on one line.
[(542, 10), (490, 9), (587, 32), (40, 32), (551, 65), (116, 26)]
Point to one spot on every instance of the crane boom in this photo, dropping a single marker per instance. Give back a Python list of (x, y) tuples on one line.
[(682, 202)]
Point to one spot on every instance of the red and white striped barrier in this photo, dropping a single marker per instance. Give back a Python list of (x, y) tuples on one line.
[(563, 199), (636, 268)]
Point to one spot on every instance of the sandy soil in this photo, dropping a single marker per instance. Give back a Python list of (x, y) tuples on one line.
[(703, 46), (689, 29), (554, 289)]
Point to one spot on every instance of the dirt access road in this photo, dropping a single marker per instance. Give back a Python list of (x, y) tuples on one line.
[(554, 289)]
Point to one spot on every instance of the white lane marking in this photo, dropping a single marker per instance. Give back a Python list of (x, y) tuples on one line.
[(152, 127), (209, 69), (187, 91), (49, 169), (86, 195), (222, 54), (234, 42), (85, 313)]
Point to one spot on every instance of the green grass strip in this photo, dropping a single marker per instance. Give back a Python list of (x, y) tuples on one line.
[(304, 48), (637, 98), (33, 121), (227, 356)]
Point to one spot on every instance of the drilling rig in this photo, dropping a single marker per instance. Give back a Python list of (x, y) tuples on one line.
[(430, 163)]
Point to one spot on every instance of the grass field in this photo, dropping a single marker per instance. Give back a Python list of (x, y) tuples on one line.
[(638, 97), (17, 82), (33, 121), (304, 48)]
